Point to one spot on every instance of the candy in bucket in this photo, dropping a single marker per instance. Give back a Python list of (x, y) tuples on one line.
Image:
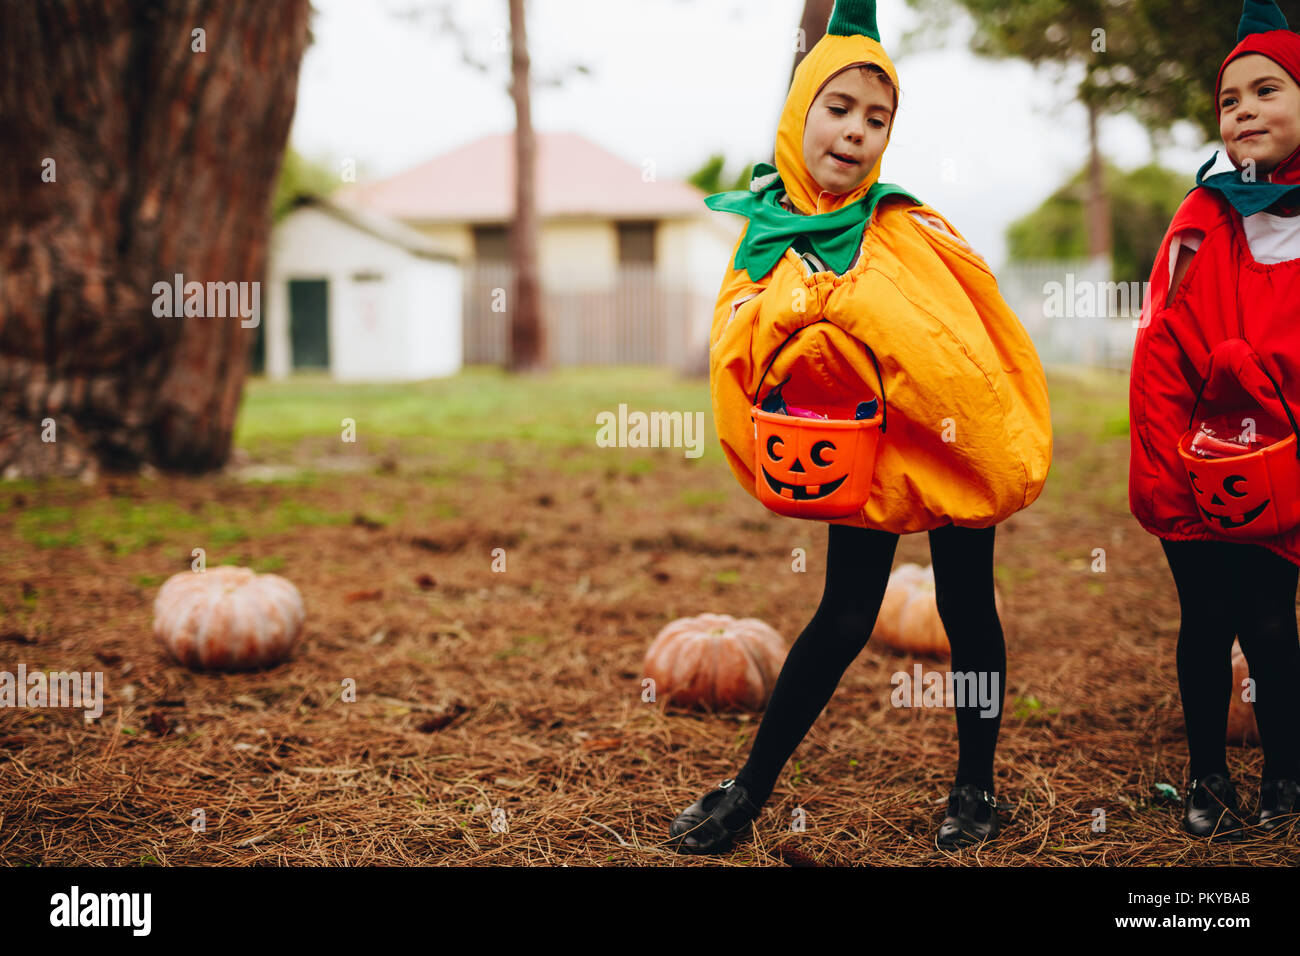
[(815, 459), (1244, 471), (776, 404), (1239, 433)]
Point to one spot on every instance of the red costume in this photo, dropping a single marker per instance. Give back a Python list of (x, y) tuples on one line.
[(1233, 330)]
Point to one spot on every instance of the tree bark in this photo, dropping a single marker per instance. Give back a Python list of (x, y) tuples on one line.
[(1099, 225), (527, 348), (163, 158), (816, 17)]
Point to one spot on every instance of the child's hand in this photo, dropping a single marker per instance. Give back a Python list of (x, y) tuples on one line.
[(939, 226)]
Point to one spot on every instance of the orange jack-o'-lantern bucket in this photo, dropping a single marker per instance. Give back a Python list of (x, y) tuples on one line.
[(817, 468), (1240, 493)]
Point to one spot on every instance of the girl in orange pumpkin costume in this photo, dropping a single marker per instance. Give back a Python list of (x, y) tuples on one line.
[(841, 287)]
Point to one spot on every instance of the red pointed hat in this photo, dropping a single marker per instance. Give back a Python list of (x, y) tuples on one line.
[(1264, 30)]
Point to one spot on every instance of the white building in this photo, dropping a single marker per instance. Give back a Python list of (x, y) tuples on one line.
[(630, 259), (359, 296)]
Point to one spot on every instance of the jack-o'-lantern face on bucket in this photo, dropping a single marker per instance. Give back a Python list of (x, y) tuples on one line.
[(1230, 503), (808, 477)]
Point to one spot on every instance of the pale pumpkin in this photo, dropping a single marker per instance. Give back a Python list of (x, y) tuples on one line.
[(902, 582), (715, 662), (908, 619), (1242, 729), (227, 618)]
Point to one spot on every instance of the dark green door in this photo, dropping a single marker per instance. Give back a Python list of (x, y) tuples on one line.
[(309, 329), (257, 351)]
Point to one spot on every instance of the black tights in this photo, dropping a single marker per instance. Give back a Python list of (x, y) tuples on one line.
[(858, 562), (1229, 590)]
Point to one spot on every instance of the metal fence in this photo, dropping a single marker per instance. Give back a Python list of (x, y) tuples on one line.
[(1073, 311), (641, 318)]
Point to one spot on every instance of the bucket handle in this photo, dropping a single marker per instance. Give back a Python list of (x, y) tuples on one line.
[(1260, 365), (876, 366)]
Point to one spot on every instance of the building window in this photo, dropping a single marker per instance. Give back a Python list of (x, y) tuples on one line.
[(636, 243), (492, 243)]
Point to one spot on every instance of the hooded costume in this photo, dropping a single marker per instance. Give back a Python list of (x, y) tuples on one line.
[(968, 440), (1230, 336)]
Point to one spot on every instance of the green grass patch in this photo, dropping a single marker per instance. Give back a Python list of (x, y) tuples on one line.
[(225, 534), (1090, 429), (476, 429), (483, 424), (1087, 402), (122, 526), (703, 499), (1030, 708), (451, 420), (1117, 426)]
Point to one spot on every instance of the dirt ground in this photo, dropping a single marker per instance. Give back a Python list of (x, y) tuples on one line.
[(519, 691)]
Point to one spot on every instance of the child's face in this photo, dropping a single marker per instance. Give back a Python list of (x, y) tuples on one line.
[(1259, 113), (849, 118)]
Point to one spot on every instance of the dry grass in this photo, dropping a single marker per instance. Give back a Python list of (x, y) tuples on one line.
[(520, 691)]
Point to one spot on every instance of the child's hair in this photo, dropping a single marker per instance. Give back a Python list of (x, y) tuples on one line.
[(872, 70)]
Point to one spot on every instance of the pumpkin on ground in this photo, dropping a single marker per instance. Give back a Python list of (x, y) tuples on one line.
[(227, 618), (715, 662), (1242, 729), (908, 620)]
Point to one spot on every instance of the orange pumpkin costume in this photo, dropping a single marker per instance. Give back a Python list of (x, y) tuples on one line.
[(969, 439)]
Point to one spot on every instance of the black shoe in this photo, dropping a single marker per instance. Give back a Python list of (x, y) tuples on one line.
[(710, 824), (1279, 804), (972, 818), (1211, 809)]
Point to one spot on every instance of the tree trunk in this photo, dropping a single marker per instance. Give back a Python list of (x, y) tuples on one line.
[(816, 17), (142, 139), (1099, 226), (526, 343)]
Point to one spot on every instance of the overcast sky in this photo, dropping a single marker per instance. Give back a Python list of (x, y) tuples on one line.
[(677, 80)]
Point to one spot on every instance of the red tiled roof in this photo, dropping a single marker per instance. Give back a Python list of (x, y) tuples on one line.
[(475, 183)]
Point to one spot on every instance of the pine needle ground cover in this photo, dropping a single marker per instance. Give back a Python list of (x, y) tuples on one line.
[(487, 578)]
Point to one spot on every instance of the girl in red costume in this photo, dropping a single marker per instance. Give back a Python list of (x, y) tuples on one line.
[(1220, 339)]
